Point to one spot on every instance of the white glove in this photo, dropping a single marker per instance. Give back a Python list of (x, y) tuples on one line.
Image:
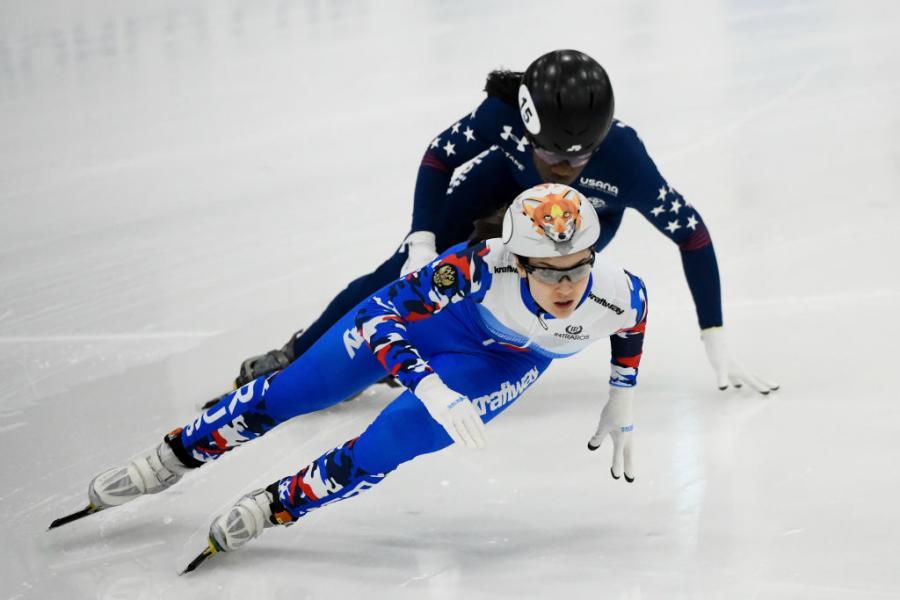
[(727, 369), (452, 410), (617, 420), (420, 246)]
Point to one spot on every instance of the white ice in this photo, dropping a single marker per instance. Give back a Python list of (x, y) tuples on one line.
[(183, 183)]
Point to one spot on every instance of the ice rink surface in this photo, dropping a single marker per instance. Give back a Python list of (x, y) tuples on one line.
[(184, 183)]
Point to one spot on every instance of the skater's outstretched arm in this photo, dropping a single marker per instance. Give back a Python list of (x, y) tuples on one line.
[(627, 343), (677, 219), (617, 418)]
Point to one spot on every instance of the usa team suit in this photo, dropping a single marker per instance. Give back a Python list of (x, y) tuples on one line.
[(467, 317), (496, 159)]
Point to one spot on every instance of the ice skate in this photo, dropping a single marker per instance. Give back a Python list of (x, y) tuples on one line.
[(152, 472), (262, 364), (243, 522)]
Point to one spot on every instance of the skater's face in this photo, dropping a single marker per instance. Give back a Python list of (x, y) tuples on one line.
[(561, 298), (561, 171)]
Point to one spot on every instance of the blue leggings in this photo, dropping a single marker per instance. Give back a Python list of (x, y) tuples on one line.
[(340, 365)]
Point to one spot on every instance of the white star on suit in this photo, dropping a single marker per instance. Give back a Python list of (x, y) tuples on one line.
[(469, 133), (436, 142), (676, 206), (692, 222), (662, 194), (456, 127), (673, 226), (448, 148), (658, 210)]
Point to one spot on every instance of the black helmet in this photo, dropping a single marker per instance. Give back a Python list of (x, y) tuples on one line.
[(566, 102)]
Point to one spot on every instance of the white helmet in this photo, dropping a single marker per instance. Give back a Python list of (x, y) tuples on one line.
[(548, 220)]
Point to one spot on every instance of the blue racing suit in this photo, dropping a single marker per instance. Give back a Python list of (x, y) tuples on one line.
[(466, 317)]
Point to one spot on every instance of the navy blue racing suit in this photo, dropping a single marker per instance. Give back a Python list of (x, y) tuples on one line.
[(483, 161)]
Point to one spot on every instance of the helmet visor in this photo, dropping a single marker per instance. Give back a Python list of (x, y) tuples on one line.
[(552, 158), (553, 276)]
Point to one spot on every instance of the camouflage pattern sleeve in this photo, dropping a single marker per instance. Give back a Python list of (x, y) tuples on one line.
[(459, 274), (627, 344)]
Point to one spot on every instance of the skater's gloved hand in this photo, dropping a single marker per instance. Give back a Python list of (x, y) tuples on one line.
[(727, 369), (617, 421), (420, 248), (452, 410)]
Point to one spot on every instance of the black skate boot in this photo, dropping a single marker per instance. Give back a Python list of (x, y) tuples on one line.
[(262, 364)]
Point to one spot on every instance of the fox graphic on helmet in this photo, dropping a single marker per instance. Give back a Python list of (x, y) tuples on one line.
[(558, 216)]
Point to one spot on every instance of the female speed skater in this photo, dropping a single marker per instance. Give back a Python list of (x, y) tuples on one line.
[(552, 123), (465, 335)]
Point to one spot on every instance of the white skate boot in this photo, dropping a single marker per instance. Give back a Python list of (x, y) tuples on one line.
[(152, 472), (239, 524), (243, 521)]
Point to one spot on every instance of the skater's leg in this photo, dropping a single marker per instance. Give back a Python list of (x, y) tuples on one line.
[(335, 368), (403, 431), (335, 475), (302, 340)]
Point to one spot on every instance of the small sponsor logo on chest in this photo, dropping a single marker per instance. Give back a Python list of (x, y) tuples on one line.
[(573, 332), (597, 203), (506, 269), (596, 184)]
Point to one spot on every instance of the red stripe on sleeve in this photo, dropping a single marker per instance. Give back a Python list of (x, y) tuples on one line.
[(307, 491), (696, 240), (220, 441), (628, 361), (430, 160)]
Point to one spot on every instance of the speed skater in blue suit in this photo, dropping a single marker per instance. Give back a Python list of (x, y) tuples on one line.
[(466, 336)]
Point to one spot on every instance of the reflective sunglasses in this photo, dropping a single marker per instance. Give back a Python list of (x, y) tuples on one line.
[(552, 158), (553, 276)]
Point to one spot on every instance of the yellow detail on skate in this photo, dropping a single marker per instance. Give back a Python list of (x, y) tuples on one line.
[(213, 547), (283, 517)]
